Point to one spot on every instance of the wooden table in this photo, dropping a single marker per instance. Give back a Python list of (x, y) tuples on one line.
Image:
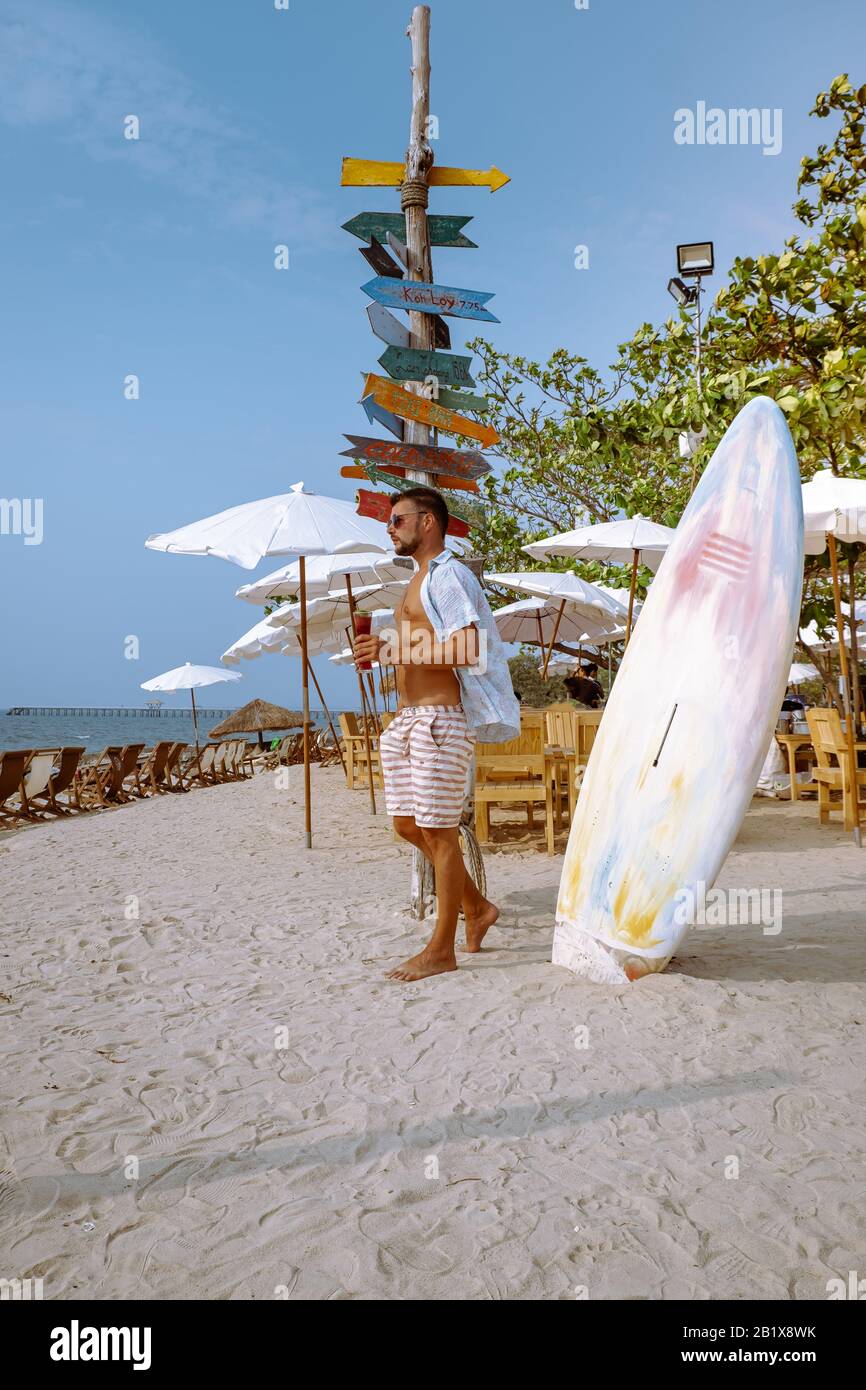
[(792, 743)]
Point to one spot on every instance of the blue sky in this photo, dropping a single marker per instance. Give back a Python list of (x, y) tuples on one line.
[(155, 257)]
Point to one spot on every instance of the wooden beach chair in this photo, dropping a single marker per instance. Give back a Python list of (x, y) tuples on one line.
[(92, 779), (218, 771), (355, 749), (62, 780), (517, 771), (152, 775), (172, 768), (561, 750), (35, 780), (833, 770), (13, 766), (196, 769), (127, 772)]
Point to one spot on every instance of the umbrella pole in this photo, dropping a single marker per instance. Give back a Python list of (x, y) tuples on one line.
[(552, 640), (328, 716), (634, 565), (194, 721), (364, 711), (855, 653), (846, 698), (308, 826)]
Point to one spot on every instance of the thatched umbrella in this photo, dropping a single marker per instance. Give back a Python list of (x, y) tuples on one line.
[(256, 717)]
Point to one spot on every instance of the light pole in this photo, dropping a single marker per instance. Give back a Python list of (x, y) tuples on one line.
[(695, 259)]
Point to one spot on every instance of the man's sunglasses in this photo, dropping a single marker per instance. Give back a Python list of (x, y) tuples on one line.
[(396, 521)]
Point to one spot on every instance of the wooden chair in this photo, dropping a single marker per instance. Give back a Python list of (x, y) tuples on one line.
[(173, 777), (34, 781), (152, 773), (62, 780), (196, 769), (355, 749), (833, 771), (93, 779), (517, 771), (561, 749), (13, 766)]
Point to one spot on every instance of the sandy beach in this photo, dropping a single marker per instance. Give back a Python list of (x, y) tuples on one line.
[(221, 1097)]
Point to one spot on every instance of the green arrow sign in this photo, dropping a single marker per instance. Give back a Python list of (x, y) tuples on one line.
[(444, 231), (414, 364), (461, 400)]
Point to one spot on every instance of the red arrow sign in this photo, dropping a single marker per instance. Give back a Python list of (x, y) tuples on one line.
[(378, 506)]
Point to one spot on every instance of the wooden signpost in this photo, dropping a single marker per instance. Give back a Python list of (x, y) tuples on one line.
[(443, 231), (392, 396), (410, 364), (422, 404), (466, 463), (378, 173), (422, 298)]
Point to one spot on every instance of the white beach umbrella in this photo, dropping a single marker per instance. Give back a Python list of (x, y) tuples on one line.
[(834, 509), (626, 541), (296, 522), (610, 542), (802, 671), (325, 575), (191, 678), (583, 600), (535, 620)]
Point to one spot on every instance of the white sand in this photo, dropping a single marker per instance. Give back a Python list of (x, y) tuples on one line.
[(313, 1168)]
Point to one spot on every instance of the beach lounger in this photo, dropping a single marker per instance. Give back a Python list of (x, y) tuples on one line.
[(62, 780), (92, 779), (13, 766), (172, 768), (152, 774), (126, 771), (196, 769)]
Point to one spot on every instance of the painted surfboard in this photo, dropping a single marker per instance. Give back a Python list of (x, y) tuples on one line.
[(687, 724)]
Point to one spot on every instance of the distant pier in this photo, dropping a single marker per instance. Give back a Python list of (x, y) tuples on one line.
[(91, 711)]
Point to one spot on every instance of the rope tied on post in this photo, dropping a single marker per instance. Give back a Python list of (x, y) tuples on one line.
[(414, 193)]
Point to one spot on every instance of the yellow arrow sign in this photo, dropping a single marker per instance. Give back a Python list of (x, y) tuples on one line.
[(377, 173), (392, 396)]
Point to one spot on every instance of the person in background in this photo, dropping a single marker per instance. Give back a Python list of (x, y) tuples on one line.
[(582, 685)]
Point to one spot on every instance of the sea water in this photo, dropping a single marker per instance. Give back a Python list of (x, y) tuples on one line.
[(95, 732)]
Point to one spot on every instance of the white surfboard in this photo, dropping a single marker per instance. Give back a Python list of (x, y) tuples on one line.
[(687, 724)]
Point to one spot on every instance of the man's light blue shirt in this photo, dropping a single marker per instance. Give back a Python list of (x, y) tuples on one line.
[(452, 598)]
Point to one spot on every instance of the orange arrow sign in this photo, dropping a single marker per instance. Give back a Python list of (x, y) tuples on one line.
[(391, 395), (379, 173)]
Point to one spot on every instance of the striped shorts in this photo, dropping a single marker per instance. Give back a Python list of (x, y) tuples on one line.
[(425, 754)]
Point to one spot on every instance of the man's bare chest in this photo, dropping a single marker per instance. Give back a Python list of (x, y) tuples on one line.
[(411, 609)]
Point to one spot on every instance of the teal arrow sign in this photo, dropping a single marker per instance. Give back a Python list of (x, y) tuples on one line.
[(444, 231), (414, 364), (461, 400)]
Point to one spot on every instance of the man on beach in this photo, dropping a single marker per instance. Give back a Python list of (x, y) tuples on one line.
[(453, 687)]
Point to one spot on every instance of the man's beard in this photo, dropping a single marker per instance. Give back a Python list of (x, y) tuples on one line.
[(406, 547)]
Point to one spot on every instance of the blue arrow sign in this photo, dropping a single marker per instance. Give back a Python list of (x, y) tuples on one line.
[(377, 415), (418, 297)]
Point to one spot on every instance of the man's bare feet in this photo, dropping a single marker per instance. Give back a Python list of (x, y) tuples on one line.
[(477, 926), (422, 965)]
